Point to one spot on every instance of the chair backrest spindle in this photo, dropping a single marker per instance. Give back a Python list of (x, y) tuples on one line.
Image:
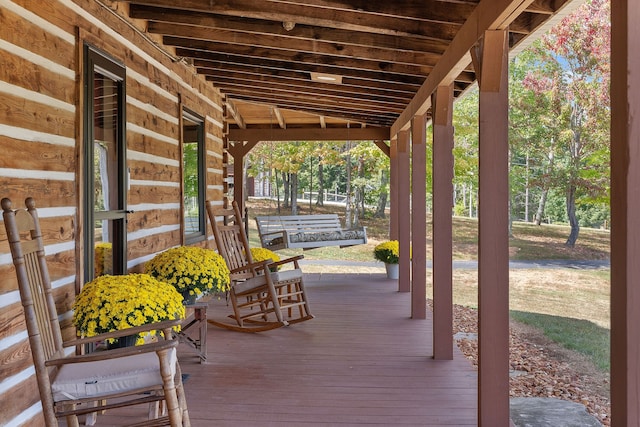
[(43, 328), (230, 239)]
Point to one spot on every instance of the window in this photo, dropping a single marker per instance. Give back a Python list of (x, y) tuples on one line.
[(194, 174), (105, 197)]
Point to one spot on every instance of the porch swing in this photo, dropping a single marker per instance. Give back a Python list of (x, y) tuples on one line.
[(307, 231)]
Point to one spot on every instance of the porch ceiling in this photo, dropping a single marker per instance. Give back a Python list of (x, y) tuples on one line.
[(262, 54)]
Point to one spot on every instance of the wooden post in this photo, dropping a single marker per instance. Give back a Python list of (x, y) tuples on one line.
[(238, 150), (493, 237), (393, 189), (442, 107), (419, 217), (625, 205), (404, 209)]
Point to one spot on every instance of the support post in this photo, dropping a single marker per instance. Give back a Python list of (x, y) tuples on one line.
[(493, 237), (404, 205), (625, 204), (393, 189), (442, 107), (238, 150), (419, 217)]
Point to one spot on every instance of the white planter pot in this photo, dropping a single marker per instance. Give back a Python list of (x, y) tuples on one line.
[(392, 271)]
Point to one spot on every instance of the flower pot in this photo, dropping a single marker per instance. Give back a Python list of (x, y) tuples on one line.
[(393, 271), (188, 299), (126, 341)]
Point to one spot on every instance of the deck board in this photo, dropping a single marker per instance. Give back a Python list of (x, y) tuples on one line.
[(361, 361)]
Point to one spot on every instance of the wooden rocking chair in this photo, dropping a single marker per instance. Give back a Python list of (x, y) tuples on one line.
[(262, 297), (90, 383)]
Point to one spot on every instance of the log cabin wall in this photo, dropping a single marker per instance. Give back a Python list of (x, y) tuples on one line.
[(41, 116)]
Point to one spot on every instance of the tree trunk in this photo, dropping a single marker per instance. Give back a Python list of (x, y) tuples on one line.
[(286, 180), (294, 193), (541, 204), (382, 198), (347, 215), (277, 191), (362, 189), (573, 220), (510, 223), (320, 199), (382, 205), (359, 198)]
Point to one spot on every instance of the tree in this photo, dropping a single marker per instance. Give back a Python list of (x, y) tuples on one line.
[(465, 151), (372, 170), (533, 135), (574, 73)]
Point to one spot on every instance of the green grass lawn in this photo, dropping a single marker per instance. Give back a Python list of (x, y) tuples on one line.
[(578, 335)]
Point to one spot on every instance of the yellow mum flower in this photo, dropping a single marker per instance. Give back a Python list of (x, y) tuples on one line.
[(110, 303), (387, 252), (191, 270), (263, 254)]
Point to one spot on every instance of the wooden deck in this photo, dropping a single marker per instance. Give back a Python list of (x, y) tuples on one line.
[(361, 361)]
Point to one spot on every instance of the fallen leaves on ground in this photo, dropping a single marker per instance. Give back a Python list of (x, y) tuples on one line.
[(541, 368)]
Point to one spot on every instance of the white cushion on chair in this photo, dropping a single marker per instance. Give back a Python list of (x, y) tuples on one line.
[(100, 378), (281, 276), (278, 276)]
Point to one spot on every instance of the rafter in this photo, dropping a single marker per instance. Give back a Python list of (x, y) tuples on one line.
[(231, 108), (280, 118)]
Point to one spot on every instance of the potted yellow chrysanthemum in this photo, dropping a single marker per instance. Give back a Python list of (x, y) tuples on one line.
[(263, 254), (389, 253), (192, 270), (112, 303)]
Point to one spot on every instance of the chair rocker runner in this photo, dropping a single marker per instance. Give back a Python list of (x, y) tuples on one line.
[(262, 297), (75, 385)]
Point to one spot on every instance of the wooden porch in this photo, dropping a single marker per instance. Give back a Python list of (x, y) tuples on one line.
[(361, 361)]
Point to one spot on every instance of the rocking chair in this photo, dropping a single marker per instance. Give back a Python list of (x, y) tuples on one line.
[(75, 385), (262, 297)]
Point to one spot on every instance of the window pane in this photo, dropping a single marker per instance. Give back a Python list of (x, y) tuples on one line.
[(194, 177), (191, 188)]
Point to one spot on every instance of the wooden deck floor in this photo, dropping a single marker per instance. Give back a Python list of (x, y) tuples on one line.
[(361, 361)]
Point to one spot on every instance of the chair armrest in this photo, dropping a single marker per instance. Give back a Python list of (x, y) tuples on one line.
[(162, 326), (260, 265), (115, 353), (293, 259), (273, 234)]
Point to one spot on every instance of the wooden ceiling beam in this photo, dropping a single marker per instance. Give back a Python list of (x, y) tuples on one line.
[(310, 134), (545, 7), (302, 72), (277, 96), (296, 45), (308, 14), (340, 93), (389, 56), (300, 31), (378, 119), (431, 11), (299, 57)]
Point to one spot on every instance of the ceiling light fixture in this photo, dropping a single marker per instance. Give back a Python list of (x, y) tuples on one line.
[(326, 78), (288, 25)]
